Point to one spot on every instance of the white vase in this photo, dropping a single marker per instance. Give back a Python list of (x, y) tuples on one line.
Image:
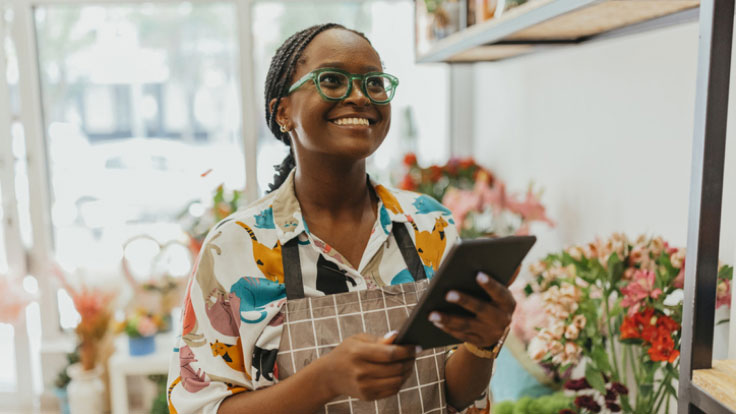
[(86, 390)]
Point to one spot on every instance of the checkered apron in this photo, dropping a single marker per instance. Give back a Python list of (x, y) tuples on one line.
[(314, 326)]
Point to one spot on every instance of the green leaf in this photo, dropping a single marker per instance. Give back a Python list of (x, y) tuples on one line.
[(726, 272), (595, 379), (600, 357), (528, 290), (631, 341), (615, 268)]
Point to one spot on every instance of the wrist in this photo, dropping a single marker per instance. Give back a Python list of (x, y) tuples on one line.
[(323, 378), (490, 352)]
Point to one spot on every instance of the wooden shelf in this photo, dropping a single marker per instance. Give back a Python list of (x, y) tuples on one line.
[(719, 382), (541, 24)]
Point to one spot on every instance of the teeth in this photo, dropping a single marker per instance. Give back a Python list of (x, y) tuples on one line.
[(352, 121)]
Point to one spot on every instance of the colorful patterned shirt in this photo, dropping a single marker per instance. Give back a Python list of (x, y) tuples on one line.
[(231, 328)]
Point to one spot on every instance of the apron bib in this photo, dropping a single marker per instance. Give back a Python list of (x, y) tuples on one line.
[(316, 325)]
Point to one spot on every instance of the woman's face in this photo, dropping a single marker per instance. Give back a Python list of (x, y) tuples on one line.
[(313, 120)]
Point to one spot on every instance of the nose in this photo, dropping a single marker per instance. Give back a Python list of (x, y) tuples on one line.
[(357, 96)]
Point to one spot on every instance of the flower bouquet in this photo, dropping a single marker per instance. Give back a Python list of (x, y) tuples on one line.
[(95, 308), (479, 202), (141, 327), (614, 308)]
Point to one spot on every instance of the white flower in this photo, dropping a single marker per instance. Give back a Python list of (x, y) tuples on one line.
[(572, 332)]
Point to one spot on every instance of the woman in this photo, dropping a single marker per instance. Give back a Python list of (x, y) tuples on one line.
[(325, 229)]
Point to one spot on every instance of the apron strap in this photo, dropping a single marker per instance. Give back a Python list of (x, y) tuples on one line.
[(411, 257), (292, 269)]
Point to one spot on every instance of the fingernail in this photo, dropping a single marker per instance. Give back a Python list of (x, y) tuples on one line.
[(482, 277), (390, 334), (418, 349), (434, 317), (452, 296)]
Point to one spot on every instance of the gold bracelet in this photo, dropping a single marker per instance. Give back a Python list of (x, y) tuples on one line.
[(479, 352), (491, 353)]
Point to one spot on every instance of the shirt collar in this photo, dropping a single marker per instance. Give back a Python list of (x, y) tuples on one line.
[(287, 213)]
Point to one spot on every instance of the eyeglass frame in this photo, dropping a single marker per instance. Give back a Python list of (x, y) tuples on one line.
[(314, 76)]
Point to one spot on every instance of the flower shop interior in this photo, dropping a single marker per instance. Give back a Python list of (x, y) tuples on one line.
[(131, 128)]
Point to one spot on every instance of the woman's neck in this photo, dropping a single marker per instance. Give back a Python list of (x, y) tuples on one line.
[(332, 188)]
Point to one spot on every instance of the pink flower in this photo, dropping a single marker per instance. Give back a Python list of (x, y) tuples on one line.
[(460, 203), (528, 315), (679, 281), (146, 326), (531, 209), (640, 288), (723, 293)]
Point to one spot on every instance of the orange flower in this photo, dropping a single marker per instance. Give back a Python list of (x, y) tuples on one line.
[(663, 349), (629, 328), (410, 159)]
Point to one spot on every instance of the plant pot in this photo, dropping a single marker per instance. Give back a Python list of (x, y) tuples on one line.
[(86, 390), (63, 396), (141, 346)]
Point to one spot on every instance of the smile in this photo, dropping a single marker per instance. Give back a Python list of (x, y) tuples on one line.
[(352, 121)]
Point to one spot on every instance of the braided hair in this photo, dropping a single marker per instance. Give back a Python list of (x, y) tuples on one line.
[(278, 80)]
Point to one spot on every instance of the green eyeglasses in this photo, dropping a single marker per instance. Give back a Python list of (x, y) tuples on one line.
[(336, 84)]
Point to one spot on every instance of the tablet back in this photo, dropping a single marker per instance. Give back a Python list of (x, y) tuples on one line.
[(499, 258)]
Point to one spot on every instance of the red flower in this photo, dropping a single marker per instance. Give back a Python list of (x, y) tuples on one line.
[(629, 328), (615, 408), (435, 173), (407, 183), (610, 395), (619, 388), (587, 402), (467, 162), (667, 323), (410, 159), (577, 385), (663, 349)]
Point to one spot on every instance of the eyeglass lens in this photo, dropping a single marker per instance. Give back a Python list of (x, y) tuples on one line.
[(335, 85)]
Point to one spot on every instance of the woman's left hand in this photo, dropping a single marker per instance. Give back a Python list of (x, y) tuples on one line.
[(491, 317)]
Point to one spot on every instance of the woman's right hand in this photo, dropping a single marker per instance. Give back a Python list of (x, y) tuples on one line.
[(367, 367)]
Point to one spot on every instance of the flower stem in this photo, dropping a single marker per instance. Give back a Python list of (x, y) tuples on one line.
[(624, 399), (611, 341), (661, 388)]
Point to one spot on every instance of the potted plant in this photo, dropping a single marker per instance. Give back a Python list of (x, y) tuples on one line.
[(95, 307), (141, 328), (63, 380)]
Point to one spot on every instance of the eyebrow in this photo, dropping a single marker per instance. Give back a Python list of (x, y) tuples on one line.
[(340, 65)]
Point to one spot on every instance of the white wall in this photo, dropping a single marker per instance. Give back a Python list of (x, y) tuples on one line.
[(606, 128)]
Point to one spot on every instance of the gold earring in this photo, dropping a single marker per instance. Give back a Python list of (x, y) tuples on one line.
[(282, 128)]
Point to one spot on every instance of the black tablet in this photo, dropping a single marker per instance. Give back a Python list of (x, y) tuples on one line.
[(498, 258)]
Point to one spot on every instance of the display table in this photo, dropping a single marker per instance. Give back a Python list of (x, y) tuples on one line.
[(121, 365)]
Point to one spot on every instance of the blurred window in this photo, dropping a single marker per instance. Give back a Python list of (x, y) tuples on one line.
[(139, 102)]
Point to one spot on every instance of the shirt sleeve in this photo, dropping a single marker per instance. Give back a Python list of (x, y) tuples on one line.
[(230, 332)]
